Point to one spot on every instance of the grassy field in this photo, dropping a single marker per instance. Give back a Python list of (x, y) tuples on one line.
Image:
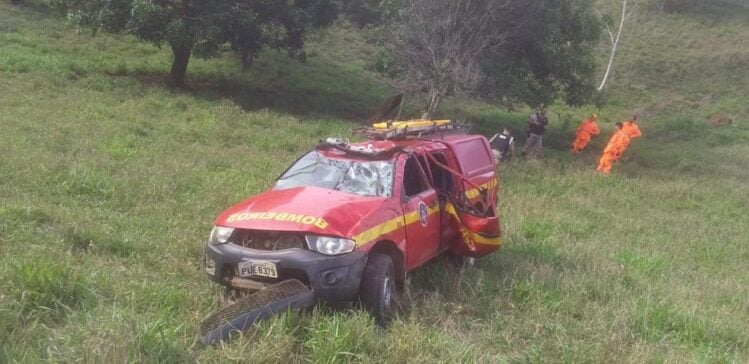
[(109, 183)]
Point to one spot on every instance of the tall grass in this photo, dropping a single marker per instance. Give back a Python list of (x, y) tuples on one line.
[(109, 183)]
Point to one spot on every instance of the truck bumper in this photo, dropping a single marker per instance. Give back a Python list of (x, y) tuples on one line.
[(331, 278)]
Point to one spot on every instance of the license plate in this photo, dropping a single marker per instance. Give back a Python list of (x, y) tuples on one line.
[(260, 269)]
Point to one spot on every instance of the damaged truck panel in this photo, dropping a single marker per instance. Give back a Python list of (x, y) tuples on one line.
[(349, 220)]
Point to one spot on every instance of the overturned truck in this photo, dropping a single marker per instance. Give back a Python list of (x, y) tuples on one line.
[(349, 221)]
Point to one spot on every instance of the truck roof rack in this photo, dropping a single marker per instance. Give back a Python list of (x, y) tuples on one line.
[(410, 129), (367, 151)]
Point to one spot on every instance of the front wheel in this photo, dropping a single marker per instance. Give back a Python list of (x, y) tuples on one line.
[(378, 291)]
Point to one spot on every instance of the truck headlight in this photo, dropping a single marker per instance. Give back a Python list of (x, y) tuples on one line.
[(330, 246), (220, 235)]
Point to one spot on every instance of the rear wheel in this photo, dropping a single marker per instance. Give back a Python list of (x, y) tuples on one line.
[(378, 291)]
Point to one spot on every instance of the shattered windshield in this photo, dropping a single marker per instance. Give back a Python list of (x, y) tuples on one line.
[(374, 179)]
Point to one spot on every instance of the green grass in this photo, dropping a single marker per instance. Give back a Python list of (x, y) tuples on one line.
[(109, 183), (693, 61)]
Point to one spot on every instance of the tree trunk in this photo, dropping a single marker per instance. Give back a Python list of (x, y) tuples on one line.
[(435, 99), (614, 45), (179, 65)]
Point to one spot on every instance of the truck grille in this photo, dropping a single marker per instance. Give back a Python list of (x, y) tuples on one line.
[(267, 240)]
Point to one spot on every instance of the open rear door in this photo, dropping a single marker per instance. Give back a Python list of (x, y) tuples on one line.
[(472, 211), (479, 233)]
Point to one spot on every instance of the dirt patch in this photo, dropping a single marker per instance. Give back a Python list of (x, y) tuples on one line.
[(720, 120)]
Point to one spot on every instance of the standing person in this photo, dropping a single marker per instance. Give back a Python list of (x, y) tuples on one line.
[(587, 130), (503, 145), (537, 123), (630, 127), (617, 145)]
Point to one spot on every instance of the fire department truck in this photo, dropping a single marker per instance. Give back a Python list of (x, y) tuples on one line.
[(348, 221)]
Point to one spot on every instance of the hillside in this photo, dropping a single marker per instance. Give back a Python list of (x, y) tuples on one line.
[(695, 58), (109, 183)]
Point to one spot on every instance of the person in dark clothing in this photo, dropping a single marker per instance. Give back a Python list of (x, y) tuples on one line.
[(537, 123), (503, 145)]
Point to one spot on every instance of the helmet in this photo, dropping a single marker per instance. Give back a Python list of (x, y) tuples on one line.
[(594, 116)]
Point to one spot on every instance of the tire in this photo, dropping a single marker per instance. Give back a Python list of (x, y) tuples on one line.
[(378, 291)]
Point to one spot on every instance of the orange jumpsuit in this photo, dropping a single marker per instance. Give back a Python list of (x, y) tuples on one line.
[(631, 129), (587, 129), (617, 145)]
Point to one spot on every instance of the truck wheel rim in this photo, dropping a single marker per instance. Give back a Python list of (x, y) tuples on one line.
[(386, 291)]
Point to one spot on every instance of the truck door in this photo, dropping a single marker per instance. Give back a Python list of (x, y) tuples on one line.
[(421, 215), (444, 182)]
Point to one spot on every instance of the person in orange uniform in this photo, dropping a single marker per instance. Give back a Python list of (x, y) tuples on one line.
[(631, 128), (587, 130), (617, 145)]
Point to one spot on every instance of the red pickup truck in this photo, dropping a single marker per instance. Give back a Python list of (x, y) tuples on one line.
[(350, 220)]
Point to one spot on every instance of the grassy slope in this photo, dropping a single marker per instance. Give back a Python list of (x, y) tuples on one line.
[(694, 60), (109, 183)]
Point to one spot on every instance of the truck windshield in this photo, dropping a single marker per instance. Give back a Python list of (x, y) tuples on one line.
[(374, 179)]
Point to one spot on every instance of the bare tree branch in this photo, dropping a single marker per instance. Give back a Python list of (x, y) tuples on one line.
[(442, 41), (615, 41)]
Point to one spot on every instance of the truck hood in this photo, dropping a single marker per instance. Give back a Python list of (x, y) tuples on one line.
[(301, 209)]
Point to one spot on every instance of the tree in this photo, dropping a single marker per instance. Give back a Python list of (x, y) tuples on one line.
[(438, 43), (205, 27), (502, 50), (626, 13), (369, 12), (548, 54)]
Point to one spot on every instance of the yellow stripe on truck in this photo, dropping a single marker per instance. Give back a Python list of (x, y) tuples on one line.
[(474, 192), (483, 240), (371, 234), (471, 237)]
